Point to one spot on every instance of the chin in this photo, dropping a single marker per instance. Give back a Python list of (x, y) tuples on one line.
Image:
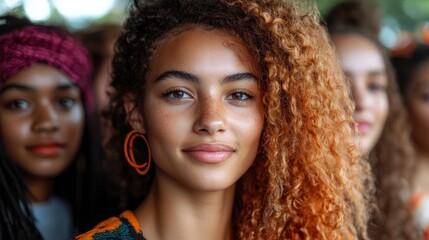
[(49, 172), (364, 147), (212, 185)]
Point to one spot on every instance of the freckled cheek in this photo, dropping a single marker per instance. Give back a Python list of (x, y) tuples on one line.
[(161, 124), (248, 126)]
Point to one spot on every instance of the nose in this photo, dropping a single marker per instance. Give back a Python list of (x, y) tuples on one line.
[(360, 96), (210, 117), (45, 120)]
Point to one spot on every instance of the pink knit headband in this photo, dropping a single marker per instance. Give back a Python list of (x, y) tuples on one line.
[(38, 44)]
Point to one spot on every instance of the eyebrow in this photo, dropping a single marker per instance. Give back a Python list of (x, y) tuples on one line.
[(377, 72), (177, 74), (192, 78), (240, 76), (27, 88), (370, 72)]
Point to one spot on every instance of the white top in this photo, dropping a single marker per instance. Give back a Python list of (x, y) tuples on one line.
[(53, 219)]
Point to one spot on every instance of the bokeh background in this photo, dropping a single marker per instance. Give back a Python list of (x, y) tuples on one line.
[(400, 17)]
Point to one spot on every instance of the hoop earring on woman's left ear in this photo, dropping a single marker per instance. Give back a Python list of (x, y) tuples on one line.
[(143, 168)]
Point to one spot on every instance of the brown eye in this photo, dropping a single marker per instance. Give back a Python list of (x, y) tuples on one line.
[(66, 102), (239, 96), (375, 87), (177, 95), (18, 104)]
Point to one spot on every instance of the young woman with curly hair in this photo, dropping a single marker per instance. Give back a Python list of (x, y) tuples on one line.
[(245, 113), (384, 136)]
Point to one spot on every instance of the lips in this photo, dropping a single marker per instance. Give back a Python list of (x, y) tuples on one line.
[(46, 149), (209, 153), (363, 127)]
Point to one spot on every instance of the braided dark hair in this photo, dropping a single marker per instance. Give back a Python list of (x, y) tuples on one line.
[(16, 219)]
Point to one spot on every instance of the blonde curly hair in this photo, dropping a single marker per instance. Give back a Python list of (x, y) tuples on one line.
[(306, 181)]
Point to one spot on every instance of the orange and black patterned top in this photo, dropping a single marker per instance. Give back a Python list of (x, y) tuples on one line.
[(126, 226)]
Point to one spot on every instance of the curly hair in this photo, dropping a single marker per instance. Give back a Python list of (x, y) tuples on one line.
[(392, 158), (310, 184)]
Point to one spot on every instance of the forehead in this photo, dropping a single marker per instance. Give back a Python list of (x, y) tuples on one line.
[(197, 45), (39, 75), (357, 52)]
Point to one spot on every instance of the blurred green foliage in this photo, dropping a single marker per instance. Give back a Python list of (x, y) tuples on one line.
[(404, 14), (407, 14)]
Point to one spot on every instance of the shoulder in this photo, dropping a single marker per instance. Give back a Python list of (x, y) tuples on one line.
[(126, 226)]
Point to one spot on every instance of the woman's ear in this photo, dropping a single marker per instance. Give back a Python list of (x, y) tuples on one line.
[(134, 117)]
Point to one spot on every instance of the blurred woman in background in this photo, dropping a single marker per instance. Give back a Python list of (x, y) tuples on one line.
[(383, 133), (46, 114), (413, 79)]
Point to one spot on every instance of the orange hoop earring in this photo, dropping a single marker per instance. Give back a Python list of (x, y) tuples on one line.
[(143, 168)]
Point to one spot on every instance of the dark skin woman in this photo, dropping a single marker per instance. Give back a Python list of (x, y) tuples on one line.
[(45, 129)]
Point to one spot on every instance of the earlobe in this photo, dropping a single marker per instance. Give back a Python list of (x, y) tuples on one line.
[(134, 117)]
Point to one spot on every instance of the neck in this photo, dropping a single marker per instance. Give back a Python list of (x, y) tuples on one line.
[(173, 212), (41, 189)]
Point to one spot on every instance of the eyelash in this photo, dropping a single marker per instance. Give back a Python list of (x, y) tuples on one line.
[(169, 94), (249, 96), (14, 104), (66, 102), (376, 87)]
